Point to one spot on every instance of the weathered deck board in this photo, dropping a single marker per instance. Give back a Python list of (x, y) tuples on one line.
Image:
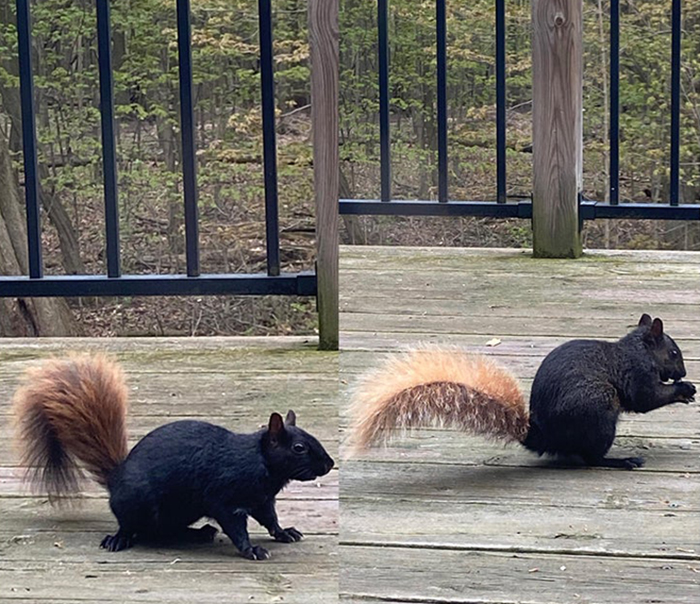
[(475, 577), (52, 555), (443, 517)]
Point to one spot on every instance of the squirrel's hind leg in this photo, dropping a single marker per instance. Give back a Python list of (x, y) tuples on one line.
[(628, 463)]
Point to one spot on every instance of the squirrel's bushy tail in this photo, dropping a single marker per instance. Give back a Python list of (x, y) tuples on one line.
[(71, 410), (433, 386)]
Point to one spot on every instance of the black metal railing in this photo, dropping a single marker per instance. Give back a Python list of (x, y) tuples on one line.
[(588, 209), (114, 283)]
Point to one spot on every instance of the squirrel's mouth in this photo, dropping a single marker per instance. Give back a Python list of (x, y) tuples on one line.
[(671, 376), (304, 476)]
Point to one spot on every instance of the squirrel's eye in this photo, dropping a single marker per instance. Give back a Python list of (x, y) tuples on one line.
[(299, 447), (674, 353)]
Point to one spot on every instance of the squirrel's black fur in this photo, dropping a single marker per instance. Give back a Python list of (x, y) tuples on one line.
[(187, 470), (75, 409), (582, 386)]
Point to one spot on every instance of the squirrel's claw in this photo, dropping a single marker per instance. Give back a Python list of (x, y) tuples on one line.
[(288, 535), (631, 463), (256, 552), (117, 543), (686, 392)]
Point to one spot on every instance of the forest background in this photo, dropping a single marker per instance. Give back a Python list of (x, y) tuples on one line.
[(229, 142)]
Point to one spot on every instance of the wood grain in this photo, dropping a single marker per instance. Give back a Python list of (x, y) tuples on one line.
[(557, 126), (323, 40), (475, 577)]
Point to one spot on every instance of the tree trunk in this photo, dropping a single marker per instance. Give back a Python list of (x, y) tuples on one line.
[(169, 145), (67, 236), (25, 316), (56, 211)]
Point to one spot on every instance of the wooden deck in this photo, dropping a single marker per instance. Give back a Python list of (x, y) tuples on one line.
[(441, 517), (49, 555)]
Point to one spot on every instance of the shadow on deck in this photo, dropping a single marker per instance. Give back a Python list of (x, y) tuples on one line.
[(53, 555), (442, 517)]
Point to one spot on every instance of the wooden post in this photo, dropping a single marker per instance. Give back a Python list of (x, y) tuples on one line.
[(557, 99), (323, 40)]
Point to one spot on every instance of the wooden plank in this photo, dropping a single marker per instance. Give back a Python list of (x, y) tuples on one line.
[(480, 283), (457, 577), (75, 548), (506, 265), (422, 260), (545, 510), (324, 49), (377, 255), (493, 290), (663, 454), (514, 345), (522, 358), (626, 313), (496, 278), (202, 574), (552, 486), (160, 345), (177, 359), (219, 395), (512, 527), (488, 325)]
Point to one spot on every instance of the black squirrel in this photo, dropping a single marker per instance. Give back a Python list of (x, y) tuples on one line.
[(578, 393), (74, 409)]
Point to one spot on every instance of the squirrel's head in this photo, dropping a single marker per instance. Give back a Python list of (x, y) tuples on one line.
[(292, 452), (665, 351)]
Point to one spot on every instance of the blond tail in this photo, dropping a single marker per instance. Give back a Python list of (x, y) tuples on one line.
[(71, 410), (442, 387)]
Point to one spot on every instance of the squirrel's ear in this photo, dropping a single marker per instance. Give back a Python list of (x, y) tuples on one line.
[(645, 320), (291, 419), (657, 328), (276, 426)]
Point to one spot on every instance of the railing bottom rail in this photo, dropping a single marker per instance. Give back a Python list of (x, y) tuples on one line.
[(299, 284), (588, 210)]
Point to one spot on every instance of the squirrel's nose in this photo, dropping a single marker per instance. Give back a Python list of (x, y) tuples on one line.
[(678, 375)]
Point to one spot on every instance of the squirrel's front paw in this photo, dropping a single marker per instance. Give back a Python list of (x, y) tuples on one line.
[(116, 543), (255, 552), (685, 391), (288, 535)]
